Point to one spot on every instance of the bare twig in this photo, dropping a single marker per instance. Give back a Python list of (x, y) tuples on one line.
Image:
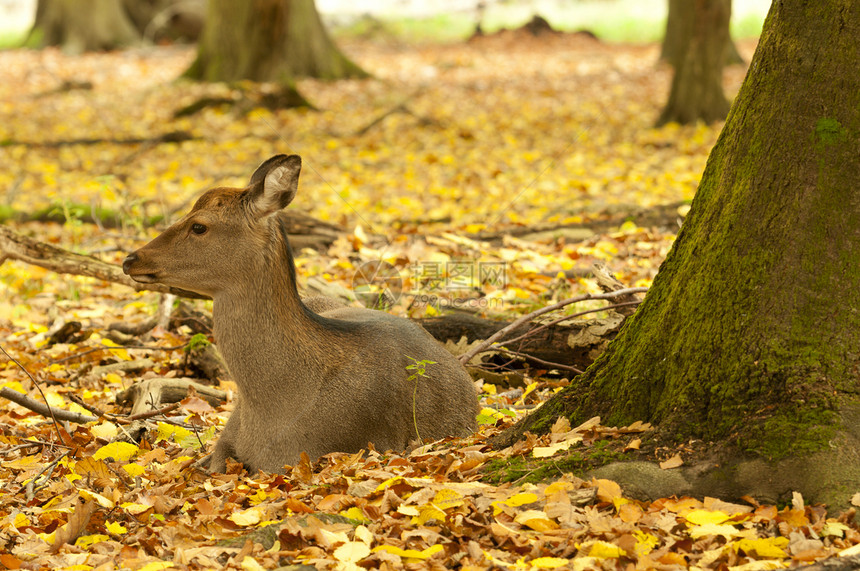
[(536, 360), (34, 485), (80, 402), (483, 346), (156, 412), (549, 324), (45, 409)]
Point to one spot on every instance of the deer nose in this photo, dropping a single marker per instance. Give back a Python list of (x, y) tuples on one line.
[(126, 264)]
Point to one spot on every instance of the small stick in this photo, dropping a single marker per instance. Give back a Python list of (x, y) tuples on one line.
[(536, 360), (46, 408), (571, 316), (156, 412), (481, 347)]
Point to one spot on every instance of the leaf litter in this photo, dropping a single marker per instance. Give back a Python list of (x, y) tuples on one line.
[(492, 144)]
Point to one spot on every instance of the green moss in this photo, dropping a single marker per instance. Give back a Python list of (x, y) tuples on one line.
[(792, 432), (829, 131), (533, 470)]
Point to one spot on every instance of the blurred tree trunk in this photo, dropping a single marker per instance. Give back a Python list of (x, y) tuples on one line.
[(679, 25), (698, 53), (750, 334), (95, 25), (167, 20), (267, 40)]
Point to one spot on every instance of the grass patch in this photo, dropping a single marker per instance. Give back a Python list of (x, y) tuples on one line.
[(11, 39), (622, 21)]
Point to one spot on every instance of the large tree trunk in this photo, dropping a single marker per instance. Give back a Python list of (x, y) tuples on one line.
[(750, 334), (679, 27), (101, 25), (267, 40), (698, 53)]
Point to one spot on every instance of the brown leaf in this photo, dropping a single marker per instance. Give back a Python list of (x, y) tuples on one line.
[(76, 525), (673, 462)]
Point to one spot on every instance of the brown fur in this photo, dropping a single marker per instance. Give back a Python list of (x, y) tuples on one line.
[(308, 382)]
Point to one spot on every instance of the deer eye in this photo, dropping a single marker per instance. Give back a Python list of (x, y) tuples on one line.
[(198, 228)]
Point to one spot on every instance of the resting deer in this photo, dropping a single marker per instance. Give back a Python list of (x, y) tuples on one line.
[(310, 382)]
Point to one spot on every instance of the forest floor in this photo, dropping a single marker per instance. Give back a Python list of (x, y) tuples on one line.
[(537, 155)]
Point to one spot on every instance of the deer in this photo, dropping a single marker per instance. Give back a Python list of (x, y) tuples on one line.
[(330, 380)]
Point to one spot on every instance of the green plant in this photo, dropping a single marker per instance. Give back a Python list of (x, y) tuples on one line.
[(420, 368)]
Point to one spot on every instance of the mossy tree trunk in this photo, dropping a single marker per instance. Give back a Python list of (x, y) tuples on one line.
[(679, 26), (267, 40), (750, 335), (100, 25), (697, 50)]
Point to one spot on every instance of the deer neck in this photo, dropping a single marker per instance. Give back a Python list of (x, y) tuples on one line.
[(271, 342)]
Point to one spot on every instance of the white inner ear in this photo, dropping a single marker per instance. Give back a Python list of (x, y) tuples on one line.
[(277, 182)]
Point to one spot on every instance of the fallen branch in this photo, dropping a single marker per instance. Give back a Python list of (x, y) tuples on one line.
[(149, 394), (500, 334), (15, 246), (43, 409)]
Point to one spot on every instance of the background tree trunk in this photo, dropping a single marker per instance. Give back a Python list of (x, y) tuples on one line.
[(100, 25), (679, 27), (267, 40), (698, 57), (750, 334)]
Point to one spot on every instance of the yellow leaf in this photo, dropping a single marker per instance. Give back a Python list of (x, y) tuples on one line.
[(85, 541), (134, 470), (355, 513), (116, 528), (834, 528), (607, 490), (352, 552), (105, 430), (558, 486), (673, 462), (770, 547), (119, 451), (23, 462), (134, 508), (156, 566), (701, 517), (250, 516), (645, 542), (489, 388), (548, 562), (411, 553), (605, 550), (536, 519), (727, 531), (547, 451), (119, 353), (113, 379), (100, 499), (21, 520), (521, 499), (250, 564), (55, 400), (529, 388)]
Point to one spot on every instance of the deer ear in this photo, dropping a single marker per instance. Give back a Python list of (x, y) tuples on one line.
[(274, 184)]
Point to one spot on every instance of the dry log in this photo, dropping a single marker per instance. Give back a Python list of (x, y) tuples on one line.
[(15, 246), (151, 393), (305, 232)]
